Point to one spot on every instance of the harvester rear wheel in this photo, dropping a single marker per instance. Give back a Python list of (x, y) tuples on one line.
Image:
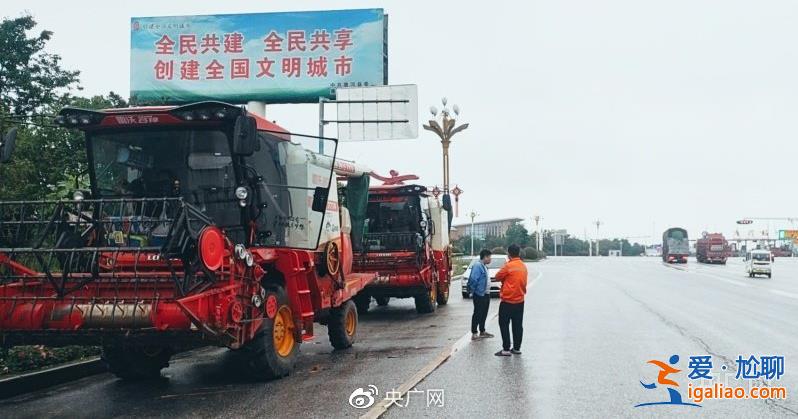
[(342, 325), (426, 302), (136, 363), (273, 352)]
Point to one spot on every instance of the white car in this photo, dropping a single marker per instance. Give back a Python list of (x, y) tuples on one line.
[(496, 263), (758, 262)]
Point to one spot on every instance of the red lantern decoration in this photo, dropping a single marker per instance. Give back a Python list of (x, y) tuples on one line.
[(456, 192)]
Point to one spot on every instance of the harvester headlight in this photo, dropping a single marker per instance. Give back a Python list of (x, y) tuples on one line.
[(85, 119), (187, 116), (60, 120), (249, 260), (242, 193), (203, 116), (221, 114), (241, 251), (73, 120)]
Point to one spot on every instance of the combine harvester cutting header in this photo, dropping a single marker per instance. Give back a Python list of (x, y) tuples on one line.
[(204, 225)]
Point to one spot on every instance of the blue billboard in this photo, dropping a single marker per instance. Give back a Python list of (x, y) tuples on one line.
[(292, 57)]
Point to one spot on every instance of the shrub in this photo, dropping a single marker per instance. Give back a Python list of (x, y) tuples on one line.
[(530, 253), (499, 251), (25, 358)]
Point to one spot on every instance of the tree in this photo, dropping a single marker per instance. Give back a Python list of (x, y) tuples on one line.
[(34, 87), (30, 79), (517, 234), (50, 161)]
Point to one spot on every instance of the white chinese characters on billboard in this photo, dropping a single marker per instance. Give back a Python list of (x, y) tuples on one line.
[(270, 57)]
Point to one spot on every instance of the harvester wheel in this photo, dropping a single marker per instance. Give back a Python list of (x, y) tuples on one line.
[(362, 302), (342, 325), (382, 301), (273, 352), (426, 302), (136, 363), (443, 293)]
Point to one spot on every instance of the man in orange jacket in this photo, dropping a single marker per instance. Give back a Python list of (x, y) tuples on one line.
[(513, 276)]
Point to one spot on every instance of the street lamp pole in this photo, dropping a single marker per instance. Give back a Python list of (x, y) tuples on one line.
[(472, 215), (445, 128), (598, 224)]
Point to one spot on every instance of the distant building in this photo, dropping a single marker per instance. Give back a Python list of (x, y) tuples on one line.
[(484, 229)]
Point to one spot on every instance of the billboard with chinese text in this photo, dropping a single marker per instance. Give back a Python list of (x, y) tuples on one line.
[(290, 57)]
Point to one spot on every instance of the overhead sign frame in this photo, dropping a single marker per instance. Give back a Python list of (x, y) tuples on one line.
[(374, 113)]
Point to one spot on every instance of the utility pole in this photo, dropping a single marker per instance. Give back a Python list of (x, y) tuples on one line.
[(598, 223), (472, 215)]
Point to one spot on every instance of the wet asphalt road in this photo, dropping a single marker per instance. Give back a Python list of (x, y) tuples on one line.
[(393, 343), (590, 326)]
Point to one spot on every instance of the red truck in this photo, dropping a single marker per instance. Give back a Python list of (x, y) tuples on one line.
[(204, 225), (406, 240), (712, 248)]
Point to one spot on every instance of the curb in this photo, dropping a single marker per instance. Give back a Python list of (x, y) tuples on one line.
[(38, 380)]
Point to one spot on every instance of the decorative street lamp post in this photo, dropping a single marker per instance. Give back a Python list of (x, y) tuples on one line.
[(598, 224), (472, 215), (445, 127)]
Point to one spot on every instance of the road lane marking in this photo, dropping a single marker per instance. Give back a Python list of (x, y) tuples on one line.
[(380, 409), (698, 271), (720, 278), (785, 293)]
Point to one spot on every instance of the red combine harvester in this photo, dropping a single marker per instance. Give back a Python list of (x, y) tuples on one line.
[(406, 240), (205, 225), (712, 248)]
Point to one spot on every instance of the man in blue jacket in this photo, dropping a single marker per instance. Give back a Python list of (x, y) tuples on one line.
[(479, 287)]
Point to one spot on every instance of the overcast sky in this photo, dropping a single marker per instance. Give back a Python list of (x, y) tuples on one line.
[(641, 114)]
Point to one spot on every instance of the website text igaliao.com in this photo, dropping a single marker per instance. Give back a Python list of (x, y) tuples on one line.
[(698, 393)]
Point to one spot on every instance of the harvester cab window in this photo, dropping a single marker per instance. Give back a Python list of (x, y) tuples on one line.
[(193, 164), (393, 217)]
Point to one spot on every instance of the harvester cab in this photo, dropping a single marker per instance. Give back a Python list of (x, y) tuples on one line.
[(406, 239), (204, 225)]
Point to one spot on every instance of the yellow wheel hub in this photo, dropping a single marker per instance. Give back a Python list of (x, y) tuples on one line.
[(351, 322), (333, 258), (283, 331)]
